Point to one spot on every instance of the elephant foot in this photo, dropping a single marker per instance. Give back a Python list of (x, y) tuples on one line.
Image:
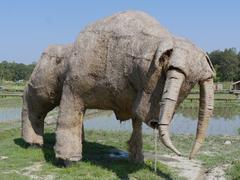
[(64, 163)]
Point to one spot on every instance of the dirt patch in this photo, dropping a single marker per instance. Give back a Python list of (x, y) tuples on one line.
[(190, 169), (31, 172), (216, 173)]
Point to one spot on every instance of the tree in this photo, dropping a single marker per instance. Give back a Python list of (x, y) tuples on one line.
[(12, 71), (226, 64)]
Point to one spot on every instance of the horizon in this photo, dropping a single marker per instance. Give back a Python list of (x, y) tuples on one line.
[(27, 28)]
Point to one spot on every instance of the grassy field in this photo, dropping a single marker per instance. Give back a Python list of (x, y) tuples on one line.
[(23, 163), (19, 162), (221, 100), (10, 102), (226, 85), (12, 86)]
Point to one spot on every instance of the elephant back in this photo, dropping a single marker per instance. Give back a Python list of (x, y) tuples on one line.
[(129, 23)]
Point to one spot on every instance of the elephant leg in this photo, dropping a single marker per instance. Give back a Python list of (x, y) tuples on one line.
[(68, 147), (135, 142)]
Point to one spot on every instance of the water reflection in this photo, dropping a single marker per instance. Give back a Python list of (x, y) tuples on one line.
[(184, 122), (217, 125), (221, 112), (10, 114), (225, 121)]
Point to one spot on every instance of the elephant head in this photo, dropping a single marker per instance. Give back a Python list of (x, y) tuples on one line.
[(177, 66)]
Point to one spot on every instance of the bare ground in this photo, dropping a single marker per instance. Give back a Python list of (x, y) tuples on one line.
[(32, 172), (189, 169)]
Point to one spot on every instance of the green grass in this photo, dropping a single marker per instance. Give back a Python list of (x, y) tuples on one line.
[(10, 102), (216, 96), (96, 163), (12, 86), (8, 125), (227, 113), (217, 153), (226, 84), (227, 100), (234, 171)]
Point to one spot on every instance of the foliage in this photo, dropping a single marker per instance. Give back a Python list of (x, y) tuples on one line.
[(15, 71), (226, 64)]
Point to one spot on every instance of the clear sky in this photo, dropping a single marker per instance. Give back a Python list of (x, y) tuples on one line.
[(27, 27)]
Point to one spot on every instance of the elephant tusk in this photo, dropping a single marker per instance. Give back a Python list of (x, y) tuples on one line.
[(205, 112), (168, 102)]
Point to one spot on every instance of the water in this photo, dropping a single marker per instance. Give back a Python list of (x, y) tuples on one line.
[(10, 113), (181, 124), (225, 121)]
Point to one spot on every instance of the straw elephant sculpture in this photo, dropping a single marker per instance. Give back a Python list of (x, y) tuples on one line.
[(127, 63)]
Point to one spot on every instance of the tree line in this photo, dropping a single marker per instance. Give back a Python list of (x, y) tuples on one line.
[(12, 71), (226, 63)]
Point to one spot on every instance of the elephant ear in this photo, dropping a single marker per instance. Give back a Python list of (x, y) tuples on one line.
[(211, 65), (158, 65)]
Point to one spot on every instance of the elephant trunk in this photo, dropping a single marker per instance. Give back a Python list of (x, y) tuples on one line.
[(205, 112), (24, 116), (32, 120), (168, 103)]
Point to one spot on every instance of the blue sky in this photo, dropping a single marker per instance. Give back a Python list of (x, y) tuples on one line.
[(27, 27)]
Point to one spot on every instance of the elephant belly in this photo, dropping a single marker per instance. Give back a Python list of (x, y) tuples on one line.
[(106, 98)]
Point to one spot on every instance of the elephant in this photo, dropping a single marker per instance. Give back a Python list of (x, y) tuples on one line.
[(127, 63)]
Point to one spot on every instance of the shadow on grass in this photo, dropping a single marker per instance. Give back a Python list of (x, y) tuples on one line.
[(97, 154)]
